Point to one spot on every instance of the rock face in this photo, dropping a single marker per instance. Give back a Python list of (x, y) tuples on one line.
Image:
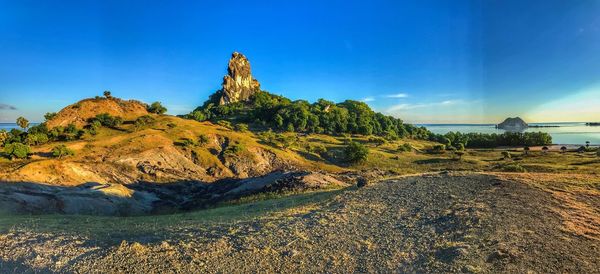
[(513, 124), (238, 84)]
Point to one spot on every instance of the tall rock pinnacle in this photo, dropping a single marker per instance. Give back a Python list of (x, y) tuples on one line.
[(238, 84)]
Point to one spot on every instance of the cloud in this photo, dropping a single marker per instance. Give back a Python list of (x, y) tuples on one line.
[(400, 107), (397, 95), (368, 99), (7, 107)]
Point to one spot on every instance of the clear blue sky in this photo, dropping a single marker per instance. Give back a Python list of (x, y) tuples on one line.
[(423, 61)]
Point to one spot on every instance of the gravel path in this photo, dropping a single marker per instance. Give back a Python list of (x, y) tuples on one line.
[(436, 223)]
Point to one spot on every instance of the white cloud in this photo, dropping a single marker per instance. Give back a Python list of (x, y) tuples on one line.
[(400, 107), (397, 95), (368, 99)]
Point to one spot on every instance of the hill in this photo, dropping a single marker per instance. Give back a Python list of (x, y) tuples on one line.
[(79, 113)]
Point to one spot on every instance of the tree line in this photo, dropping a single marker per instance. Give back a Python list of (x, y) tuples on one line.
[(322, 116)]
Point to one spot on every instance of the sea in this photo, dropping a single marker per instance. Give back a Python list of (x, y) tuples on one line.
[(576, 133)]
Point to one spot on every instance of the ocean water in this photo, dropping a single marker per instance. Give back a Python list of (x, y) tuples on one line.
[(563, 133)]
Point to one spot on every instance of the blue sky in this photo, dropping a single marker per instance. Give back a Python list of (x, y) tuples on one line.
[(422, 61)]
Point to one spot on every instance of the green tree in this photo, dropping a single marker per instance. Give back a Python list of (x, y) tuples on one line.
[(16, 150), (157, 108), (22, 122), (355, 152), (60, 151), (3, 136), (49, 116), (107, 94), (36, 139), (563, 149)]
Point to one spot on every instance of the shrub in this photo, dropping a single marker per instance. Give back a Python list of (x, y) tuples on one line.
[(377, 141), (49, 116), (356, 152), (3, 136), (185, 142), (514, 168), (202, 139), (60, 151), (526, 150), (506, 155), (233, 149), (225, 124), (36, 139), (317, 148), (107, 94), (406, 147), (107, 120), (93, 127), (438, 148), (198, 116), (157, 108), (143, 121), (581, 149), (460, 146), (171, 125), (241, 127), (598, 152), (16, 150)]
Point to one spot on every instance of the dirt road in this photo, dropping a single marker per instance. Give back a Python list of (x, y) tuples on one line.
[(437, 223)]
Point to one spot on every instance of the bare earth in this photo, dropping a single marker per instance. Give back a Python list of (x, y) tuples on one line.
[(431, 223)]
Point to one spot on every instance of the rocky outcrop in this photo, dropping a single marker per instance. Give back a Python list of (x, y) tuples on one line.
[(238, 84), (513, 124)]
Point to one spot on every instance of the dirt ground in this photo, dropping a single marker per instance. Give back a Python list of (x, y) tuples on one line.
[(473, 223)]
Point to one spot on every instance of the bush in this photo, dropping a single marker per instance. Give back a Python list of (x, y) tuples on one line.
[(107, 120), (377, 141), (317, 149), (241, 127), (513, 168), (3, 136), (438, 148), (62, 151), (233, 149), (36, 139), (49, 116), (202, 139), (157, 108), (506, 155), (143, 121), (225, 124), (16, 150), (356, 152), (460, 147), (406, 147)]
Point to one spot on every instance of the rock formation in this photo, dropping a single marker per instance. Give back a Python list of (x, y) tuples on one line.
[(238, 84), (513, 124)]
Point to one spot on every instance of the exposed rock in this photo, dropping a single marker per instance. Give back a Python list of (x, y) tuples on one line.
[(238, 84), (513, 124)]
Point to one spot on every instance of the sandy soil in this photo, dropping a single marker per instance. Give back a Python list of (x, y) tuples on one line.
[(470, 223)]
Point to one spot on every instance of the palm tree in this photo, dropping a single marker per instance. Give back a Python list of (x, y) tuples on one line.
[(545, 149), (563, 149)]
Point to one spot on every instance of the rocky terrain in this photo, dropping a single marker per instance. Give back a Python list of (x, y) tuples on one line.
[(473, 223)]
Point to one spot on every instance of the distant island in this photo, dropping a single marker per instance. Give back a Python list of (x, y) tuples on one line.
[(518, 124), (514, 124), (593, 124)]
